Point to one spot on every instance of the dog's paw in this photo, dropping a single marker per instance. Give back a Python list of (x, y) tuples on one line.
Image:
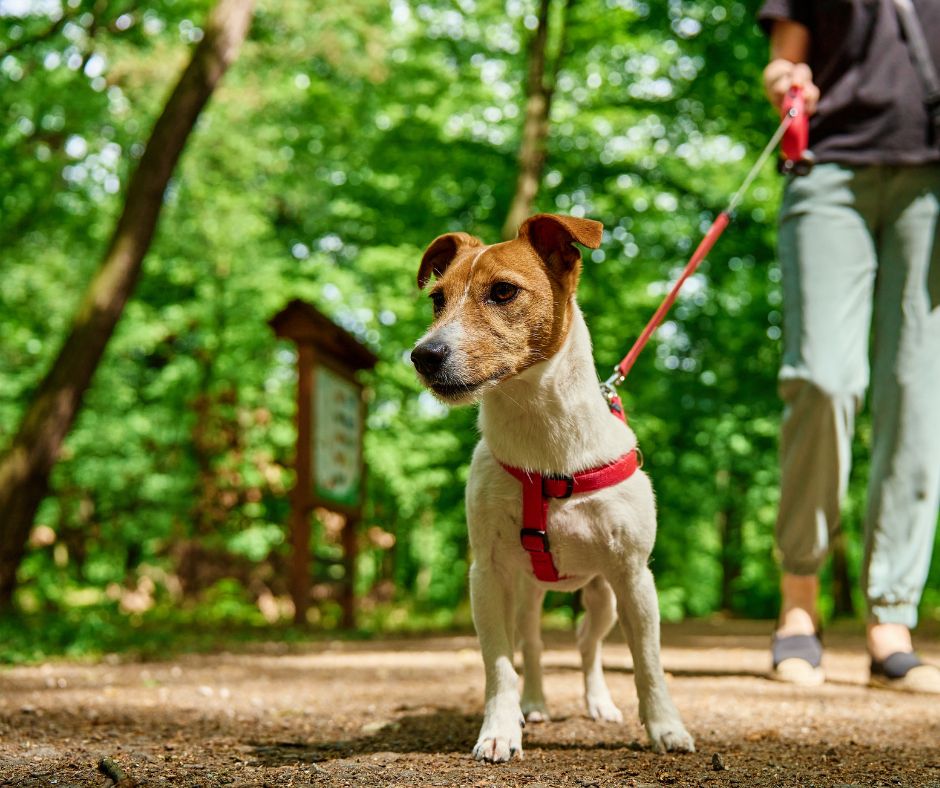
[(500, 741), (498, 749), (535, 711), (670, 736), (602, 708)]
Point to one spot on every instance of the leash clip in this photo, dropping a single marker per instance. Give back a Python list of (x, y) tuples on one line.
[(609, 386), (610, 396)]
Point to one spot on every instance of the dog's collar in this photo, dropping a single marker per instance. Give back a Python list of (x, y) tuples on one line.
[(538, 490)]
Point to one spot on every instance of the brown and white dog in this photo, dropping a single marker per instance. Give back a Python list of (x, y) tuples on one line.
[(507, 333)]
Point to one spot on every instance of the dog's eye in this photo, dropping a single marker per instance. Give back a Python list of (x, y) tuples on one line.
[(503, 292), (437, 298)]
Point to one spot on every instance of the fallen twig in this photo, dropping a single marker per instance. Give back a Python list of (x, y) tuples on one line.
[(110, 768)]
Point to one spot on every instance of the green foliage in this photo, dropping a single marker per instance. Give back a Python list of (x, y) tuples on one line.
[(345, 139)]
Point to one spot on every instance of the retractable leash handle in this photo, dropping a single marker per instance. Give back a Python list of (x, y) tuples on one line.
[(790, 115), (795, 159)]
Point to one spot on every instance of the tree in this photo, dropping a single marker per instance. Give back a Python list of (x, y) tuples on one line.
[(25, 467), (539, 89)]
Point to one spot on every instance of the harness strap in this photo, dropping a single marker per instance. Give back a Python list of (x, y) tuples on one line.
[(538, 490)]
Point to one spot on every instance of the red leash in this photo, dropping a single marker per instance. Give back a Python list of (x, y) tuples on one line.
[(538, 489), (794, 133)]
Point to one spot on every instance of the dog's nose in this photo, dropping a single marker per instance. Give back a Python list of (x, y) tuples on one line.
[(428, 357)]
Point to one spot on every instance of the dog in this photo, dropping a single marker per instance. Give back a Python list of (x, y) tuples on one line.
[(508, 333)]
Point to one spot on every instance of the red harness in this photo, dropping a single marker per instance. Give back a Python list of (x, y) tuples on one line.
[(538, 490)]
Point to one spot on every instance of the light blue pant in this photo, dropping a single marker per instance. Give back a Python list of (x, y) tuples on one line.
[(861, 246)]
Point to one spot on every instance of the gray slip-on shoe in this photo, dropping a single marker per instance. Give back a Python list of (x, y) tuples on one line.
[(797, 659), (904, 672)]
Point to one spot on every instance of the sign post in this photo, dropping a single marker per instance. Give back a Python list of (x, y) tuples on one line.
[(329, 463)]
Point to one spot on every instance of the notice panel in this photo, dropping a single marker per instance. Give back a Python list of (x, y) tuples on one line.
[(337, 440)]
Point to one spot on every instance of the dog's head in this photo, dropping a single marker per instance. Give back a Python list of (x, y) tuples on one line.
[(498, 309)]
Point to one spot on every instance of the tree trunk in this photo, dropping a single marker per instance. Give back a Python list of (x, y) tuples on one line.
[(539, 89), (25, 467), (730, 557), (350, 555), (841, 582), (731, 535)]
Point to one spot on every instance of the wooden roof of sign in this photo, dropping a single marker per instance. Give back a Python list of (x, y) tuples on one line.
[(305, 324)]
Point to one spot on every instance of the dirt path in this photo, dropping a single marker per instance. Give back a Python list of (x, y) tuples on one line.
[(407, 713)]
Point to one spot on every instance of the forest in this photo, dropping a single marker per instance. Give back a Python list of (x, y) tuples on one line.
[(173, 172)]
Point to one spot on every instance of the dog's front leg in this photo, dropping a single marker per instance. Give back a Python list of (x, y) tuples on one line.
[(491, 600), (638, 610), (529, 598)]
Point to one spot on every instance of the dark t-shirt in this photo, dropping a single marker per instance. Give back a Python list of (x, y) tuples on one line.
[(871, 108)]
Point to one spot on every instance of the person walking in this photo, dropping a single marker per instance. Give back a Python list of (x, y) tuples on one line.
[(859, 246)]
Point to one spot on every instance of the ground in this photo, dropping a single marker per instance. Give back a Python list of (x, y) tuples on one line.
[(407, 713)]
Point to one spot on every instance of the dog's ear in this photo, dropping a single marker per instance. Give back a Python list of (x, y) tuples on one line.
[(441, 253), (553, 238)]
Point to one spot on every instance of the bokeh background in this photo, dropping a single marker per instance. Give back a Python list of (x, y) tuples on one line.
[(344, 138)]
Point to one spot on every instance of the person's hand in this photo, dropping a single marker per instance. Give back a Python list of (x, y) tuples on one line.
[(780, 75)]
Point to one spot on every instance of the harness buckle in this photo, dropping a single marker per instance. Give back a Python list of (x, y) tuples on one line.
[(541, 545), (569, 486)]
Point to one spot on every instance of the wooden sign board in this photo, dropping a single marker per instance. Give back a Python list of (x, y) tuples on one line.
[(330, 426)]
